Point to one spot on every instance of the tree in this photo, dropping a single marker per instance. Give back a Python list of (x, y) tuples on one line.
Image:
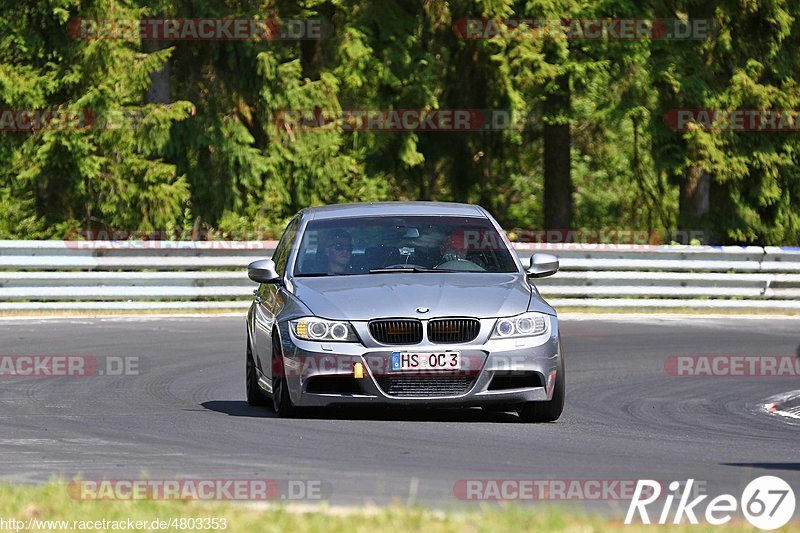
[(737, 186), (105, 169)]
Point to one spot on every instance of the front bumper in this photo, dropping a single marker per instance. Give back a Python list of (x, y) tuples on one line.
[(494, 372)]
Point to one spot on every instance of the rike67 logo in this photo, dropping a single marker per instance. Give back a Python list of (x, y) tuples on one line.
[(767, 502)]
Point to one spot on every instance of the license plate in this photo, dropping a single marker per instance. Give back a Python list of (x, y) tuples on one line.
[(426, 360)]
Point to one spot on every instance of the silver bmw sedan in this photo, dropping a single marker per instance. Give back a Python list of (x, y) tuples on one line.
[(402, 303)]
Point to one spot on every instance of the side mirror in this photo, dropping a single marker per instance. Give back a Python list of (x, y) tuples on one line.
[(263, 271), (542, 265)]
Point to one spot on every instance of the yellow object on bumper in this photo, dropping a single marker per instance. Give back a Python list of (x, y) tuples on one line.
[(358, 370)]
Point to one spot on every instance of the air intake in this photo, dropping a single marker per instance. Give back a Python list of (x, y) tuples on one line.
[(425, 386)]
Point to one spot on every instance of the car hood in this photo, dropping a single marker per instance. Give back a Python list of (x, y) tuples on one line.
[(364, 297)]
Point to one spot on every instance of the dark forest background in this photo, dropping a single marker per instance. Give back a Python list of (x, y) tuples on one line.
[(189, 141)]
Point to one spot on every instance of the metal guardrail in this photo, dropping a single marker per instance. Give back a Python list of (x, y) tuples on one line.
[(161, 275)]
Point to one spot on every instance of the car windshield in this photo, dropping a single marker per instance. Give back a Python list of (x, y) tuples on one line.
[(377, 245)]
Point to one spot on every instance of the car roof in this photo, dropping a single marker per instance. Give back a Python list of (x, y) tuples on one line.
[(393, 209)]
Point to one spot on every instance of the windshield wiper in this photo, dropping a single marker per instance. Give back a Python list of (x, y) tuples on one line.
[(389, 270)]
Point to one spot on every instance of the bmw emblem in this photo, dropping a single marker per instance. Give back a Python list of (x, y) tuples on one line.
[(422, 309)]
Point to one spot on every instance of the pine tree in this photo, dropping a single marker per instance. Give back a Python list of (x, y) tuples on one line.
[(110, 171)]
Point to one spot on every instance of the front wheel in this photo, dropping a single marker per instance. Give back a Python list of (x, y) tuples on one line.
[(281, 402), (255, 396), (548, 411)]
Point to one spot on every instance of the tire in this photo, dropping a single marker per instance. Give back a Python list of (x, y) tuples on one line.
[(281, 401), (255, 396), (550, 410)]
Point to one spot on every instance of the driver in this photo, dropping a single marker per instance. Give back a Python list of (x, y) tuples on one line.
[(454, 247), (337, 251)]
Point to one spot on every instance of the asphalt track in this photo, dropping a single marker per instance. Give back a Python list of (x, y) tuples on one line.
[(184, 414)]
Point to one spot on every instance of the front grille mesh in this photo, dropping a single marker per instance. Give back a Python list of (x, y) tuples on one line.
[(422, 386), (396, 331), (453, 330)]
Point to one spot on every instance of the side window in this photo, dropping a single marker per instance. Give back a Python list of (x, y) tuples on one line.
[(284, 248)]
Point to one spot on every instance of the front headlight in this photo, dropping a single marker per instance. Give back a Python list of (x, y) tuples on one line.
[(524, 325), (318, 329)]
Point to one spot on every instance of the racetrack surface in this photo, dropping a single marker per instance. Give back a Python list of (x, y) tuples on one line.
[(185, 414)]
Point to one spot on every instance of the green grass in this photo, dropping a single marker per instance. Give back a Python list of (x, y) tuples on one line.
[(52, 502)]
